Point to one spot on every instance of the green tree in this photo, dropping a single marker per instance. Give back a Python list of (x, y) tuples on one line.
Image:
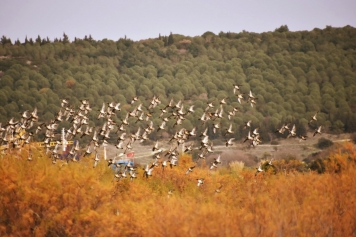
[(65, 38), (282, 29), (170, 39), (38, 40), (5, 40)]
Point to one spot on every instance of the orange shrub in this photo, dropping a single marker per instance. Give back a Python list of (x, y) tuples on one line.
[(39, 198)]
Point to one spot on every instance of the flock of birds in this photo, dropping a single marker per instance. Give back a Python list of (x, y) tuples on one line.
[(17, 134)]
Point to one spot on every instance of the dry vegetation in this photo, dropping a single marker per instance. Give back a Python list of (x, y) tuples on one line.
[(41, 199)]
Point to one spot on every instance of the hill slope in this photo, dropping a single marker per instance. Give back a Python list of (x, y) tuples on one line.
[(293, 74)]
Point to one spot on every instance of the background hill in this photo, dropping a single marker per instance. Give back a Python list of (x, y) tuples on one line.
[(293, 74)]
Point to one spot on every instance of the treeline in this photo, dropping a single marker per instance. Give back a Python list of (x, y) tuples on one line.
[(293, 74)]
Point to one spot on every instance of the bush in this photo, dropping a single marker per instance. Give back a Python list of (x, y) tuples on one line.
[(353, 137), (324, 143), (82, 201), (236, 166), (318, 165)]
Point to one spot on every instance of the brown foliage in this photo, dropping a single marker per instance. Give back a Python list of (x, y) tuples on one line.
[(43, 90), (38, 198), (70, 83)]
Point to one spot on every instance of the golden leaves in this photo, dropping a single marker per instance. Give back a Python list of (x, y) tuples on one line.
[(80, 201)]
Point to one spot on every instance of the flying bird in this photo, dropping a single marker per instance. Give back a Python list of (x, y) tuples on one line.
[(317, 131), (200, 182)]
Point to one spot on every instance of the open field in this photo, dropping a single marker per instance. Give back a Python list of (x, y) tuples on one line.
[(250, 156)]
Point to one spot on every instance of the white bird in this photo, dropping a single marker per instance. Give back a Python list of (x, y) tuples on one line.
[(190, 169), (117, 107), (250, 95), (205, 133), (302, 138), (253, 102), (121, 137), (217, 160), (191, 109), (213, 165), (236, 88), (64, 102), (148, 171), (247, 124), (170, 192), (192, 133), (173, 162), (292, 132), (218, 190), (248, 137), (313, 118), (223, 101), (200, 182), (317, 131), (232, 113), (120, 145), (229, 130), (270, 162), (215, 127), (96, 160), (132, 175), (188, 148), (229, 142), (29, 157), (155, 147), (164, 164), (210, 105), (240, 98), (204, 141), (134, 99), (161, 127), (258, 170)]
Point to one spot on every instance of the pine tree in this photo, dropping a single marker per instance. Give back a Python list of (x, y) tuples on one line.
[(38, 40), (170, 39), (165, 40), (5, 40), (65, 38)]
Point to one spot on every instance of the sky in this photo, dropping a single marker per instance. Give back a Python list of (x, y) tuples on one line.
[(143, 19)]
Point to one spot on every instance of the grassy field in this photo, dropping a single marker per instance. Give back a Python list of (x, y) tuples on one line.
[(41, 199)]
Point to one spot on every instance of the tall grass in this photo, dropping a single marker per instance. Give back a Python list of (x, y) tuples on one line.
[(39, 198)]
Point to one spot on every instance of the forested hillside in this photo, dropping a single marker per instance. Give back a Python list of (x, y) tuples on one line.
[(293, 75)]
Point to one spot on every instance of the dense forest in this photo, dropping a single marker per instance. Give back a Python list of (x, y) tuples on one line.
[(293, 75)]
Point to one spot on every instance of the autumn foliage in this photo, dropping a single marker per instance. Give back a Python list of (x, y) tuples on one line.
[(38, 198)]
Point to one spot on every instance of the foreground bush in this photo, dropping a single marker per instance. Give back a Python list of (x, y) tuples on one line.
[(38, 198)]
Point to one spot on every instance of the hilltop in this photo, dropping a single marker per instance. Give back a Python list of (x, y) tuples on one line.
[(293, 74)]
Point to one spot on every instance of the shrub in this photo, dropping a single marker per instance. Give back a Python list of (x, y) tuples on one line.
[(353, 137), (236, 166), (317, 165), (82, 201), (324, 143)]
